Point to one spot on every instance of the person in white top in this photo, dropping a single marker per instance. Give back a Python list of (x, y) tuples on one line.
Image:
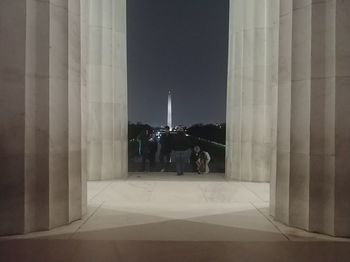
[(203, 162)]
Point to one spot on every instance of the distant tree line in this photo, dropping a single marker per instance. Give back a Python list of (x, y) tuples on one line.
[(135, 129), (216, 133), (212, 132)]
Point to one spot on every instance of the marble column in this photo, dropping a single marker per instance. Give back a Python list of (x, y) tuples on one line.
[(84, 33), (40, 114), (252, 89), (313, 168), (107, 138)]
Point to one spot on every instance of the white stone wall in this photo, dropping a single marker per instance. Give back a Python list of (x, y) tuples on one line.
[(40, 98), (252, 89), (107, 119)]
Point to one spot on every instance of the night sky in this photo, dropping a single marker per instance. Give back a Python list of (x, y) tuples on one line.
[(177, 45)]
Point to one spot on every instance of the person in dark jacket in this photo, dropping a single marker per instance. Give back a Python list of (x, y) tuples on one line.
[(143, 138), (152, 148), (165, 150), (180, 145), (195, 155)]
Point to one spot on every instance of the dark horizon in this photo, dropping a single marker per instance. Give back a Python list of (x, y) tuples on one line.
[(179, 46), (164, 125)]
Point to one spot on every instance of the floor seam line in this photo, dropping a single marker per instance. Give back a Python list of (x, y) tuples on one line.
[(86, 220), (99, 192), (202, 191), (273, 224), (151, 194), (251, 191)]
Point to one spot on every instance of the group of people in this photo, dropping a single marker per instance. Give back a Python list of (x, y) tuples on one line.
[(178, 145)]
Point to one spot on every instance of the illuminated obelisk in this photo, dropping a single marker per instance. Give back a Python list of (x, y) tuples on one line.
[(170, 117)]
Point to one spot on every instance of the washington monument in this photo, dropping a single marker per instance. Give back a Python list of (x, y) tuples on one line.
[(170, 117)]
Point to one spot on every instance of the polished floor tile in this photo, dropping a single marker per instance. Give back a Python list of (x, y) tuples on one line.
[(163, 217)]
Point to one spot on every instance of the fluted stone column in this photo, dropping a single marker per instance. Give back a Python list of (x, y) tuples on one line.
[(252, 89), (40, 115), (313, 167), (84, 43), (107, 90)]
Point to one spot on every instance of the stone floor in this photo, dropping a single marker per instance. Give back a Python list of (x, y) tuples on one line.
[(163, 217)]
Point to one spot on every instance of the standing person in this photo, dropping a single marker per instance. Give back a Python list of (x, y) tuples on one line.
[(181, 144), (143, 138), (165, 150), (152, 147), (194, 158)]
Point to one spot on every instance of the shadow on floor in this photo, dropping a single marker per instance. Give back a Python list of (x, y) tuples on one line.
[(116, 243), (130, 251)]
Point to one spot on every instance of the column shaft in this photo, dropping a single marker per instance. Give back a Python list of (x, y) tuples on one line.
[(12, 108), (42, 179), (252, 87), (107, 90), (313, 135)]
